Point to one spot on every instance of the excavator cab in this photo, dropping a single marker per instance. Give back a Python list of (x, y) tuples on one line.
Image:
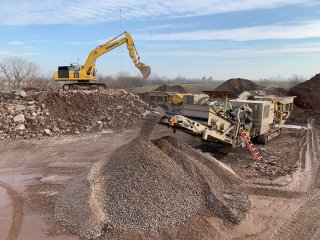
[(71, 71)]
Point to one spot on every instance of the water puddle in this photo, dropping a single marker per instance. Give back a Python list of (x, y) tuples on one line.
[(68, 164), (33, 227), (5, 213), (18, 181), (57, 179), (295, 126)]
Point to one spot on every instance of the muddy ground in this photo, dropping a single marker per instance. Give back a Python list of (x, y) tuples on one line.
[(283, 190)]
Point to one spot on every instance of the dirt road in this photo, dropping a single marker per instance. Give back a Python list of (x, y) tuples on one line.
[(33, 172)]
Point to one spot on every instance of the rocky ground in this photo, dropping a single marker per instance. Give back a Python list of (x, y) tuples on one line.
[(279, 159), (35, 172)]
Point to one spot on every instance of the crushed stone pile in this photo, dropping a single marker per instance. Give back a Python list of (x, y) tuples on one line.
[(148, 186), (37, 113), (308, 93), (169, 88), (238, 85)]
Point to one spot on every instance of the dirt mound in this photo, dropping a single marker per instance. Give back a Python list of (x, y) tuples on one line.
[(148, 186), (308, 93), (60, 112), (238, 85), (168, 88)]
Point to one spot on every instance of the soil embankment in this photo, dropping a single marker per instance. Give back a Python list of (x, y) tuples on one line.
[(308, 93)]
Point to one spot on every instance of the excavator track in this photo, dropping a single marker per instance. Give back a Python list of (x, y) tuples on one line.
[(84, 86)]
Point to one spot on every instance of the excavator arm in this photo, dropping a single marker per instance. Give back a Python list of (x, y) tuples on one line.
[(89, 66)]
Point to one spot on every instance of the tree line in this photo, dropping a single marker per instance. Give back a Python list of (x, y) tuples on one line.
[(17, 73)]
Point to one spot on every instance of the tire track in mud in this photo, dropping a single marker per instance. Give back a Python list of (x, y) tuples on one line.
[(302, 146), (17, 211), (276, 189), (284, 230), (304, 223), (273, 192)]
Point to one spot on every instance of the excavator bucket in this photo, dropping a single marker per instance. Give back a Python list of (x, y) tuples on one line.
[(144, 69)]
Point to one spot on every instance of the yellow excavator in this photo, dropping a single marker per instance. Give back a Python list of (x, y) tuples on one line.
[(83, 75)]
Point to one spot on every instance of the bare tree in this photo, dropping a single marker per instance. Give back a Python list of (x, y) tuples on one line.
[(45, 82), (295, 79), (18, 72)]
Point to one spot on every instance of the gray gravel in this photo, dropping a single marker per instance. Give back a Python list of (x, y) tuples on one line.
[(78, 208), (216, 184), (147, 186)]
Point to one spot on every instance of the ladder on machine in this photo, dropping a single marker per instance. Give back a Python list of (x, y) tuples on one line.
[(254, 151)]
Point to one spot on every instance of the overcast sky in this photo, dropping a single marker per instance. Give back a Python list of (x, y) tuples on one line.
[(220, 38)]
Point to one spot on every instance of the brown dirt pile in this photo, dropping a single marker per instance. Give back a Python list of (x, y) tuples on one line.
[(238, 85), (59, 112), (148, 186), (308, 93), (168, 88)]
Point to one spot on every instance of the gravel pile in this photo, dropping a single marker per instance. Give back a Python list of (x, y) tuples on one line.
[(238, 86), (216, 182), (171, 88), (37, 113), (147, 186)]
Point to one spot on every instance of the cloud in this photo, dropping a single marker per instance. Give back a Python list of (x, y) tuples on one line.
[(93, 42), (307, 29), (309, 49), (166, 27), (5, 53), (44, 12), (21, 54), (15, 43)]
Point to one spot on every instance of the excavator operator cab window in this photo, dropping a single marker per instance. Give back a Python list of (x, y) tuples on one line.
[(74, 67), (76, 73), (63, 72)]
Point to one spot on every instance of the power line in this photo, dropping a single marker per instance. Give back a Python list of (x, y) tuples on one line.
[(120, 18)]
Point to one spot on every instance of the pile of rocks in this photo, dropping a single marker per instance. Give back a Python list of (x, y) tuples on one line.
[(274, 163), (238, 85), (38, 113), (148, 186), (270, 168)]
